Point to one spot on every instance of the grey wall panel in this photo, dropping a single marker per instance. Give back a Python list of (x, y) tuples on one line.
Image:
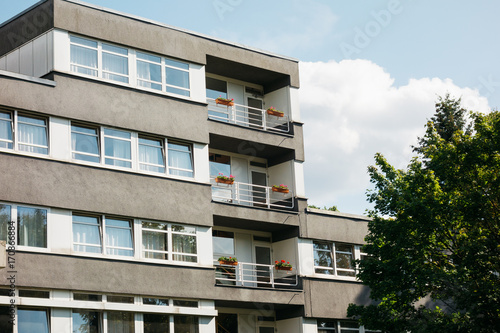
[(330, 299), (26, 27), (109, 276), (106, 104), (335, 226), (71, 186)]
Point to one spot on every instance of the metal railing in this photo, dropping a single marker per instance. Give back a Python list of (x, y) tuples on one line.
[(247, 116), (254, 275), (251, 195)]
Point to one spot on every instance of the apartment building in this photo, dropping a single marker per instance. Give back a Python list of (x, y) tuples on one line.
[(134, 156)]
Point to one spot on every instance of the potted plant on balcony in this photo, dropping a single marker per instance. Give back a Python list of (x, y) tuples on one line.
[(273, 112), (228, 261), (224, 101), (280, 188), (221, 179), (282, 265)]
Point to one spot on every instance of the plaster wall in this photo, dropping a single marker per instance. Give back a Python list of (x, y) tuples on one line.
[(76, 187)]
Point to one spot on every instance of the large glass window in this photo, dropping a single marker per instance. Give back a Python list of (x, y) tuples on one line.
[(155, 323), (111, 62), (32, 134), (184, 243), (334, 258), (148, 71), (177, 77), (87, 234), (156, 238), (5, 218), (180, 159), (119, 237), (5, 325), (219, 164), (151, 155), (114, 63), (223, 242), (186, 324), (85, 143), (83, 56), (86, 321), (117, 148), (32, 320), (32, 226), (6, 130), (120, 322)]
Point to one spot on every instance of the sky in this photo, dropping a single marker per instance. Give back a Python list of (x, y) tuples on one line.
[(370, 71)]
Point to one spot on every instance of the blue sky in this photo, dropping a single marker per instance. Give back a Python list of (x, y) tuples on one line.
[(370, 70)]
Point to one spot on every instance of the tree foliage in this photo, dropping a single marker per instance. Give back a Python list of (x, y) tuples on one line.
[(434, 238)]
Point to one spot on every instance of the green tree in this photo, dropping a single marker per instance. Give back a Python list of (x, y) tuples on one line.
[(434, 238)]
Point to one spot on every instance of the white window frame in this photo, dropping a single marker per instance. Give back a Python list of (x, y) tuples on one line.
[(170, 233), (97, 135), (14, 122), (103, 230), (162, 149), (14, 217), (132, 68), (356, 254), (135, 163)]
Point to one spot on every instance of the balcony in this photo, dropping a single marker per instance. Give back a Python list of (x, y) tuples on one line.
[(255, 275), (251, 195), (247, 116)]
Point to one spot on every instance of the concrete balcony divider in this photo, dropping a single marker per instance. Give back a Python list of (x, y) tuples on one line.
[(247, 116)]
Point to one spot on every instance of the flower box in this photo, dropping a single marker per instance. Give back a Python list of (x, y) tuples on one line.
[(273, 112), (281, 190), (226, 262), (281, 268), (224, 181), (223, 101)]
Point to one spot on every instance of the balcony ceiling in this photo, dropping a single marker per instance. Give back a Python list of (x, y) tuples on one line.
[(273, 154), (268, 79)]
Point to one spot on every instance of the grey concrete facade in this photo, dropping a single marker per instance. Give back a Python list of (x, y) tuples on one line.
[(50, 181)]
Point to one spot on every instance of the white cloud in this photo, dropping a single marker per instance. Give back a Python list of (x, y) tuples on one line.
[(351, 110)]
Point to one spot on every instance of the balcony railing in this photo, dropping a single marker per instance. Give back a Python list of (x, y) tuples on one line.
[(255, 275), (247, 116), (251, 195)]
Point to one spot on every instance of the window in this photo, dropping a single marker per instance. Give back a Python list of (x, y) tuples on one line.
[(6, 130), (219, 164), (180, 159), (185, 324), (5, 218), (148, 71), (177, 77), (155, 301), (32, 227), (158, 237), (34, 293), (117, 148), (32, 134), (87, 297), (119, 237), (151, 155), (86, 321), (5, 325), (87, 234), (114, 63), (85, 143), (156, 323), (185, 303), (32, 320), (120, 322), (120, 299), (83, 56), (111, 62), (223, 242), (328, 253)]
